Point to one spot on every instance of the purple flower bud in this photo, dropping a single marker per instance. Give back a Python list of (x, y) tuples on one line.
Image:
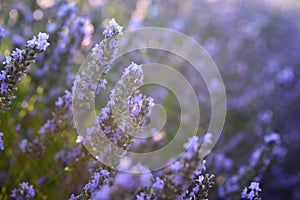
[(107, 32), (72, 197), (17, 54), (23, 144), (158, 184), (7, 60), (40, 42), (255, 186), (1, 142), (4, 87)]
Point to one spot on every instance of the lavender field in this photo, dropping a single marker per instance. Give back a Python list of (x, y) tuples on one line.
[(149, 99)]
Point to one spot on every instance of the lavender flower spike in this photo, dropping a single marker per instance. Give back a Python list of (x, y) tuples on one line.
[(15, 66)]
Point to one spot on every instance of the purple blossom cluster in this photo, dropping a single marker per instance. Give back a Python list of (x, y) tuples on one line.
[(14, 67), (24, 192), (251, 192), (39, 42)]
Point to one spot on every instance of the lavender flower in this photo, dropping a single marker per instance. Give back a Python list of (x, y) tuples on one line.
[(158, 184), (99, 179), (252, 192), (23, 144), (24, 192), (130, 81), (1, 142), (101, 58), (40, 42), (255, 187), (15, 67), (184, 179), (199, 187), (113, 29), (117, 119), (72, 197), (3, 33), (139, 107)]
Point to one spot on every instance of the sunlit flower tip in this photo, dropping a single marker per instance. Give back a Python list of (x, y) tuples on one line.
[(113, 29), (133, 67), (115, 26)]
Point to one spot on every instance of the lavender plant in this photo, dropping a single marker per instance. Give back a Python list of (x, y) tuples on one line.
[(102, 57), (255, 45)]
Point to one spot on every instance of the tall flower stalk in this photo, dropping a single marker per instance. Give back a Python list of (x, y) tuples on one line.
[(102, 57)]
